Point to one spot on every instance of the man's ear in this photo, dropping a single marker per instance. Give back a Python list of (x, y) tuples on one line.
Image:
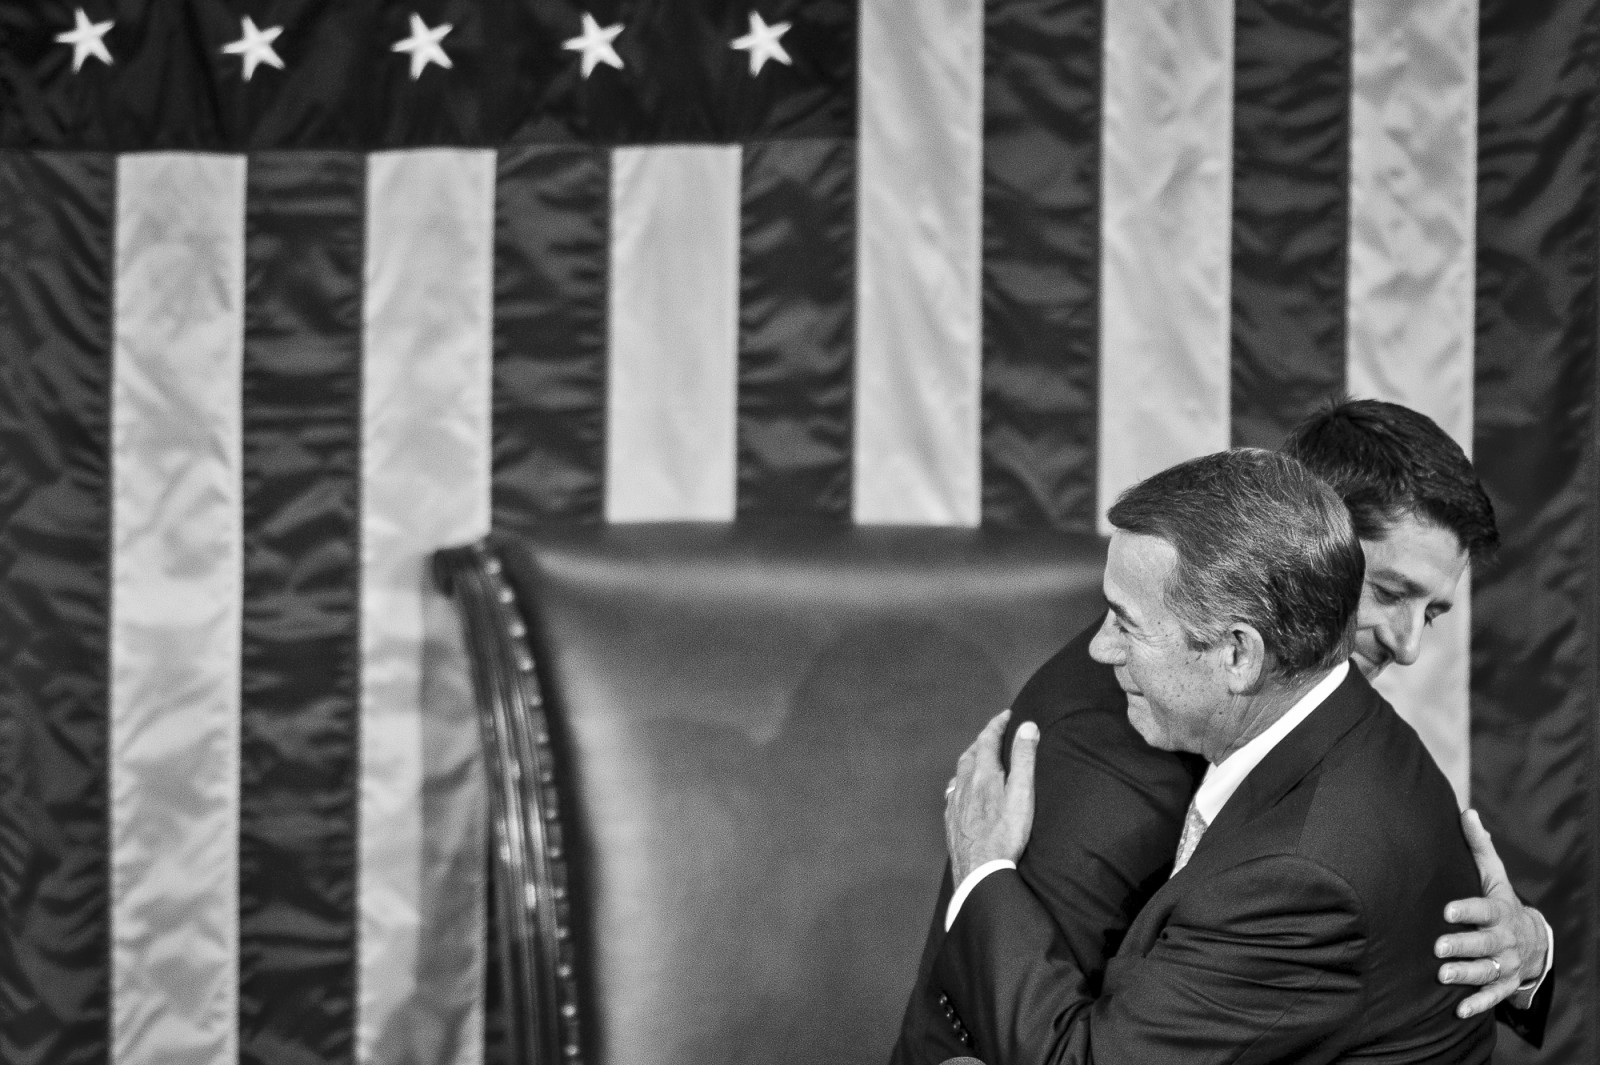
[(1244, 658)]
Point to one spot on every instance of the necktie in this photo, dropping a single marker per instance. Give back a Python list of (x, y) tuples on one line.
[(1194, 826)]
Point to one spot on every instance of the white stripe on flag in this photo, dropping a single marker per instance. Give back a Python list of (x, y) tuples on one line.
[(919, 231), (672, 388), (1413, 173), (177, 544), (425, 484), (1166, 195)]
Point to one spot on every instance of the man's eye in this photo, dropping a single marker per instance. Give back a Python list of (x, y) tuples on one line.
[(1384, 595)]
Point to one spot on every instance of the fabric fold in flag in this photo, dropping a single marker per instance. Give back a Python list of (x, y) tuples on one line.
[(177, 533), (674, 304), (550, 278), (1165, 319), (796, 328), (426, 343), (1040, 264), (57, 216), (1412, 180), (918, 353), (299, 812), (1291, 146), (1536, 443)]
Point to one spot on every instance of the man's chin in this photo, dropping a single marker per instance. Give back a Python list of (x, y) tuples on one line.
[(1139, 718), (1369, 669)]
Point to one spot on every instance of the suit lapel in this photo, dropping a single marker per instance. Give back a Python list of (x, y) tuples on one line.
[(1296, 755), (1286, 765)]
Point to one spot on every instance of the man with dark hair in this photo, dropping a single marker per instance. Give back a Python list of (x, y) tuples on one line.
[(1417, 506), (1318, 854), (1110, 808), (1423, 518), (1388, 462)]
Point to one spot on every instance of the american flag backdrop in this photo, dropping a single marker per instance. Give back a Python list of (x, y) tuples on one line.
[(294, 292)]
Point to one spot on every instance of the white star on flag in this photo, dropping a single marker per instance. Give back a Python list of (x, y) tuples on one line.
[(255, 45), (595, 44), (87, 39), (762, 43), (424, 46)]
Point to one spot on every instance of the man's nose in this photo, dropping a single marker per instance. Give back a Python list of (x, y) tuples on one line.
[(1402, 636), (1106, 647)]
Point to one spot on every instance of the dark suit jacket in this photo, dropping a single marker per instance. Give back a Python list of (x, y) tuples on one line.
[(1300, 930), (1109, 811), (1530, 1023)]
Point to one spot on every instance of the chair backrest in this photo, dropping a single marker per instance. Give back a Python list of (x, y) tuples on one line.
[(751, 729)]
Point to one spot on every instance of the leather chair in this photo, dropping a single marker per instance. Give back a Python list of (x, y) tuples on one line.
[(717, 756)]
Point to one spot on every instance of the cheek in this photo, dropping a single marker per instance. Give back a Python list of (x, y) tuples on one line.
[(1134, 666), (1368, 612), (1371, 616)]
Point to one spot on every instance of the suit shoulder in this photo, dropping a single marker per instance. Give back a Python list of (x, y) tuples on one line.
[(1382, 764), (1070, 682), (1082, 714), (1379, 804)]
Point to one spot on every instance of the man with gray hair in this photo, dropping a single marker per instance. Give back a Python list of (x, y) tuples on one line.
[(1318, 854)]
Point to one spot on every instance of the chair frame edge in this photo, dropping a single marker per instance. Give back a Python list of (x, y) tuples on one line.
[(537, 955)]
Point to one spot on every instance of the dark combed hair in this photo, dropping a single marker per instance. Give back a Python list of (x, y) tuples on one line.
[(1389, 462), (1261, 540)]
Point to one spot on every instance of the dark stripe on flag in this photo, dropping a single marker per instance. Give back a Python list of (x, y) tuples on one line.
[(55, 385), (1536, 633), (1041, 268), (552, 205), (302, 466), (796, 328), (1291, 190)]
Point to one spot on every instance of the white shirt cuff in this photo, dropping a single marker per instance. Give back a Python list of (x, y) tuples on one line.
[(965, 887), (1522, 997)]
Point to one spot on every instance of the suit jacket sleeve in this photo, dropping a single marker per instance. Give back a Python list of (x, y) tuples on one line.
[(1529, 1024), (1109, 811), (1258, 963), (929, 1033)]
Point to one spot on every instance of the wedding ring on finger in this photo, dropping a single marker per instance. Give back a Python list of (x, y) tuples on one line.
[(1492, 961)]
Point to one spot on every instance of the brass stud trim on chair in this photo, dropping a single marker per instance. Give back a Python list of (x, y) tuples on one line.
[(541, 990)]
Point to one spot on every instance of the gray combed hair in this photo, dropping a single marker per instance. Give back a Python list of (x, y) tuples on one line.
[(1262, 540)]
